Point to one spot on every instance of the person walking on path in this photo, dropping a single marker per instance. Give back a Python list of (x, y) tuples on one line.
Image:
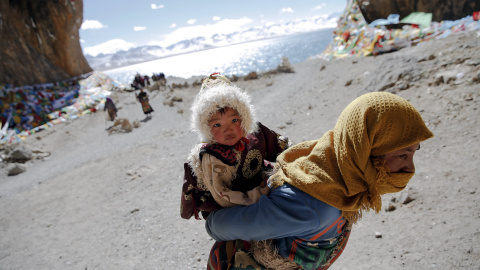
[(142, 97), (111, 109)]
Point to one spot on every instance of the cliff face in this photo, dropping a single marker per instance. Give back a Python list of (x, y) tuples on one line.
[(440, 9), (39, 41)]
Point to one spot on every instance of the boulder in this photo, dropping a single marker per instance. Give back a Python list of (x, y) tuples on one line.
[(285, 66), (15, 168), (440, 9), (21, 154), (16, 153)]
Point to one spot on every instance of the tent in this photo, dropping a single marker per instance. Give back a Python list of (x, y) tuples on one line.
[(419, 18)]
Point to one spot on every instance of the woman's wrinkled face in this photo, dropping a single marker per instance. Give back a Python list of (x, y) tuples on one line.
[(402, 160)]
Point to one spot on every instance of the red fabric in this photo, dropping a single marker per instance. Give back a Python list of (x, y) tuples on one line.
[(476, 15), (222, 152), (346, 36), (239, 146)]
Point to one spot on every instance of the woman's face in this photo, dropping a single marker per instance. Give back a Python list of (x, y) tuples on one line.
[(402, 160)]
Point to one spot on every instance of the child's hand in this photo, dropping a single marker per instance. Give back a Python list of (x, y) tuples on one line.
[(265, 190), (254, 195)]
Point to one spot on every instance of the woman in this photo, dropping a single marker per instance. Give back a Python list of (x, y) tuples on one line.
[(143, 99), (321, 188), (111, 109)]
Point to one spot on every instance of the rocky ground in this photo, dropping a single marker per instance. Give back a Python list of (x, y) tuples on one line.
[(94, 199)]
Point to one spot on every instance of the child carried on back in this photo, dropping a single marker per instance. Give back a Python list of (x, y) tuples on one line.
[(231, 165)]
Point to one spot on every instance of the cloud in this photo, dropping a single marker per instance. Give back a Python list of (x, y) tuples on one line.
[(287, 10), (139, 28), (173, 25), (216, 18), (157, 6), (225, 26), (92, 24), (192, 21), (319, 6), (109, 47), (267, 23)]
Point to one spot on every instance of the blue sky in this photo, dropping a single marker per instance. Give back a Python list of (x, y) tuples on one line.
[(123, 24)]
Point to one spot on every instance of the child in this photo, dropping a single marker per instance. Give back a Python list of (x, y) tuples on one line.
[(229, 167)]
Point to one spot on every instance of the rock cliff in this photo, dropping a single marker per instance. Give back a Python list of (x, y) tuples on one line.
[(40, 41), (440, 9)]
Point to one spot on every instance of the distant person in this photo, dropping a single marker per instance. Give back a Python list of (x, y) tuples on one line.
[(322, 187), (135, 86), (138, 82), (142, 97), (228, 168), (161, 78), (111, 109)]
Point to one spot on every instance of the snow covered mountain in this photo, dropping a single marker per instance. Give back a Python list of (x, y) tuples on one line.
[(152, 52)]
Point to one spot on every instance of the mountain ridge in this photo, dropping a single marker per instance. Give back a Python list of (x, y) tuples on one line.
[(146, 53)]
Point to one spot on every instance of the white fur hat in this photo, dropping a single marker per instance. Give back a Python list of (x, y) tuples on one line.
[(218, 92)]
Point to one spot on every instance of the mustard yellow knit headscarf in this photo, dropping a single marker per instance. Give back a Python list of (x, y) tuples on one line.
[(338, 169)]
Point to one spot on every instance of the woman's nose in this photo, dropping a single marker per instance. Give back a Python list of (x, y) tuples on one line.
[(409, 166)]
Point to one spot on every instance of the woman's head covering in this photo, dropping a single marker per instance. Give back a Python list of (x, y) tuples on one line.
[(338, 169), (109, 104), (218, 92)]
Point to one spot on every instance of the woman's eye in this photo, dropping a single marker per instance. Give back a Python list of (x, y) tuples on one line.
[(216, 125), (402, 156), (235, 120)]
